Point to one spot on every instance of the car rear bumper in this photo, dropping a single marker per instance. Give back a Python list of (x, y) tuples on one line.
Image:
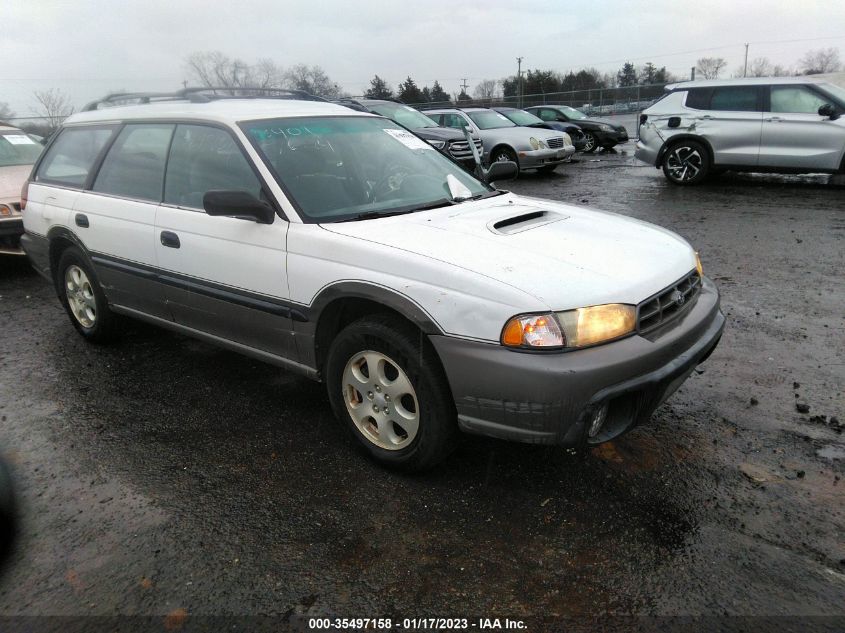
[(11, 229), (37, 250), (549, 398)]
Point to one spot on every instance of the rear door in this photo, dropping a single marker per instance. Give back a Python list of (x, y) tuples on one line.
[(732, 121), (795, 135), (115, 217), (224, 276)]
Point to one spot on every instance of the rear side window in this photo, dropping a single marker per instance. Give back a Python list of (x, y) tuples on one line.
[(134, 166), (547, 115), (70, 158), (699, 98), (735, 99), (454, 120), (204, 158)]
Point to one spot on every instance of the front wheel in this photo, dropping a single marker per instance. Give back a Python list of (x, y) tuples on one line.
[(590, 142), (686, 163), (502, 154), (386, 384)]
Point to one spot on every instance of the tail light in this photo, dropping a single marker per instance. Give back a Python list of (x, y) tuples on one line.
[(24, 194)]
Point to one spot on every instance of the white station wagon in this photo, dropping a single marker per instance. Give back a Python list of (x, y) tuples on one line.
[(336, 244)]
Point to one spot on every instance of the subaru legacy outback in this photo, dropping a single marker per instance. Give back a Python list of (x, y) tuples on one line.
[(337, 244)]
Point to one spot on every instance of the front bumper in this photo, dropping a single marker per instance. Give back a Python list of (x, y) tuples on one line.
[(611, 138), (11, 229), (548, 398), (533, 159)]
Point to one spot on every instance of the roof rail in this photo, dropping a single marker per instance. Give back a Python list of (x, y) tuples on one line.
[(199, 94)]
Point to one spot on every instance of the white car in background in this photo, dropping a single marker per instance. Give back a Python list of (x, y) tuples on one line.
[(336, 244), (18, 152)]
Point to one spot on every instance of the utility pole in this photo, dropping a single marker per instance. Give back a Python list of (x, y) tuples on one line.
[(692, 74), (464, 85), (745, 68), (184, 83), (519, 81)]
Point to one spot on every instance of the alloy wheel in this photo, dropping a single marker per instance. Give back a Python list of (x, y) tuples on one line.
[(684, 163), (80, 296), (381, 400)]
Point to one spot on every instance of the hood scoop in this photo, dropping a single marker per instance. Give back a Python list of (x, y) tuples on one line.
[(524, 221)]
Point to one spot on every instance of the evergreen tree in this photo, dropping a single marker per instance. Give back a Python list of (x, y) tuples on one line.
[(438, 94), (627, 76), (409, 92), (379, 89)]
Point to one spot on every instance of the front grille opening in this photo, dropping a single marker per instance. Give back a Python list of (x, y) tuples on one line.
[(668, 303), (555, 143)]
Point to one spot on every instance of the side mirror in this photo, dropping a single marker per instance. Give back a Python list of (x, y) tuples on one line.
[(501, 170), (238, 204), (829, 111)]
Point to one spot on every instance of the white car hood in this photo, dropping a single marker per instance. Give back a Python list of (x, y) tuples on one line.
[(581, 257)]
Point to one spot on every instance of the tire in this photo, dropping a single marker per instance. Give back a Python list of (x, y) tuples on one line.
[(503, 153), (590, 142), (420, 427), (686, 163), (83, 299)]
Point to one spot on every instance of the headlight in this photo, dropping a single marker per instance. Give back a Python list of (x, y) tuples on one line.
[(535, 144), (605, 128), (573, 328), (437, 144), (698, 267)]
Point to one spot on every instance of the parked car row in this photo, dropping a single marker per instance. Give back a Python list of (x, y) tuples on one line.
[(18, 152)]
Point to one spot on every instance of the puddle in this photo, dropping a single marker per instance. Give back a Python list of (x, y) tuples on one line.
[(832, 452)]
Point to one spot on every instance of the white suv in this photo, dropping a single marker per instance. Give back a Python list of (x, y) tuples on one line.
[(788, 125), (336, 244)]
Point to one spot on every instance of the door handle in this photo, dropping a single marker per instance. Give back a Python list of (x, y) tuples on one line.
[(706, 117), (170, 239), (774, 119), (81, 220)]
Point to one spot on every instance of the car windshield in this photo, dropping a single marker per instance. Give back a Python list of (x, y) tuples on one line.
[(572, 113), (17, 148), (358, 167), (835, 91), (403, 115), (521, 117), (490, 120)]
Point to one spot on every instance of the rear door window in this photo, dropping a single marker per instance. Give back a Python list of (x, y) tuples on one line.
[(70, 158), (454, 121), (134, 166), (735, 99), (203, 158), (796, 99)]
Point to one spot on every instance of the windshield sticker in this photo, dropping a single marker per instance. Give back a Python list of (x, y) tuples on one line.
[(408, 140), (19, 139)]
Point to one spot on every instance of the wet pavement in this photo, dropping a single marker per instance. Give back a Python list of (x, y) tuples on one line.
[(160, 475)]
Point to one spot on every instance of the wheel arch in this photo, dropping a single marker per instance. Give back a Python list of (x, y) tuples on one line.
[(59, 239), (510, 148), (340, 304)]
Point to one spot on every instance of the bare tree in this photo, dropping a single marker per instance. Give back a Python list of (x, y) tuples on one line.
[(5, 111), (53, 106), (710, 67), (311, 79), (215, 70), (823, 60), (486, 90)]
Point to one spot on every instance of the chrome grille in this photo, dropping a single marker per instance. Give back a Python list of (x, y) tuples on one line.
[(668, 303), (555, 142), (460, 149)]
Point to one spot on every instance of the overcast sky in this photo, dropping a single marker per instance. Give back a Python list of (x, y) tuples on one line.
[(89, 47)]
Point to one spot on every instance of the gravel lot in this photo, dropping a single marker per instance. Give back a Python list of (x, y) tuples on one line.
[(164, 476)]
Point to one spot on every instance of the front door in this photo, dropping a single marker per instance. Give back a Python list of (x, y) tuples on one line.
[(223, 276), (795, 135)]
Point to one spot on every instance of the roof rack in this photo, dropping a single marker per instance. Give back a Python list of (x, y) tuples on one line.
[(199, 94)]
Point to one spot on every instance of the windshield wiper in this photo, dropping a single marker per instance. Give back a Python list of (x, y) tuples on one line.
[(481, 196), (371, 215)]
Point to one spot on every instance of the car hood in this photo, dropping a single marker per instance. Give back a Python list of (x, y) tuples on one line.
[(11, 181), (440, 133), (518, 134), (593, 122), (562, 255)]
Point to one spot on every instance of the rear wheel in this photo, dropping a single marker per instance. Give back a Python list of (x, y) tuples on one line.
[(686, 163), (386, 384), (83, 299)]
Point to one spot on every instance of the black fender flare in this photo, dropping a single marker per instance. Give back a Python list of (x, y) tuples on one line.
[(62, 232), (384, 295)]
